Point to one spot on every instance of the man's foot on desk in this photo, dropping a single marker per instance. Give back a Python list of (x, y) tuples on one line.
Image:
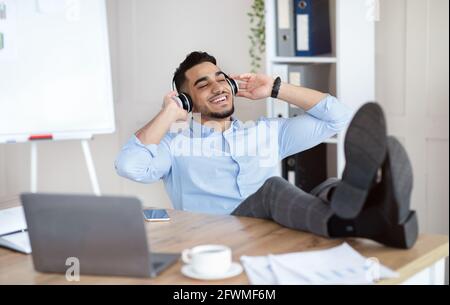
[(365, 151), (386, 216)]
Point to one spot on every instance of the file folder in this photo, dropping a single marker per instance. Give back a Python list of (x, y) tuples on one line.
[(312, 27), (312, 76), (308, 167), (285, 28), (280, 108)]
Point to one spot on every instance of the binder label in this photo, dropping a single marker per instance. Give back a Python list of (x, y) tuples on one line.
[(302, 32), (294, 78), (283, 15)]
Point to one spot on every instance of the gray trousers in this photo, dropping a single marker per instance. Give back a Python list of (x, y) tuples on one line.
[(290, 206)]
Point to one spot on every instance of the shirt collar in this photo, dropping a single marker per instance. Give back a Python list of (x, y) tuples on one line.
[(205, 131)]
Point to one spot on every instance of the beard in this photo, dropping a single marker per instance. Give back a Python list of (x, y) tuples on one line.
[(218, 115)]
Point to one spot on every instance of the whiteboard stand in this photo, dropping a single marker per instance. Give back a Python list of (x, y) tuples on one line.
[(89, 164), (90, 167)]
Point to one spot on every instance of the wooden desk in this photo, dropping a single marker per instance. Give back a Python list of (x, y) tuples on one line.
[(246, 236)]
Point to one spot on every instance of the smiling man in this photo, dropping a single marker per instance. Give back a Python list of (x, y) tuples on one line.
[(219, 165), (217, 105)]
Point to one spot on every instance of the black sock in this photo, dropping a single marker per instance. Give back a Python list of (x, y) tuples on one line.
[(338, 227), (368, 224)]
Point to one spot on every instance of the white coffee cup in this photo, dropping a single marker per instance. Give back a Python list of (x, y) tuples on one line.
[(208, 259)]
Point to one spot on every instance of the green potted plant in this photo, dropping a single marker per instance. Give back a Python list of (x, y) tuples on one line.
[(257, 34)]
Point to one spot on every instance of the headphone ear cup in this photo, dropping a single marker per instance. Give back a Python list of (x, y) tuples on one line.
[(186, 101), (178, 101), (234, 85)]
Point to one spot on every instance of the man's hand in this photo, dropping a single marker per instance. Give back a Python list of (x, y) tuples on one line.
[(172, 109), (156, 129), (254, 86), (259, 86)]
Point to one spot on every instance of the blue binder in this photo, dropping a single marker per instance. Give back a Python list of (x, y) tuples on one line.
[(312, 27)]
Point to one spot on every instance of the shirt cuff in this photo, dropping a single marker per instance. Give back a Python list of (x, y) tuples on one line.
[(321, 107)]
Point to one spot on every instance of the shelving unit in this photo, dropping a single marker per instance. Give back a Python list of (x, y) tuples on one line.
[(352, 63), (301, 60)]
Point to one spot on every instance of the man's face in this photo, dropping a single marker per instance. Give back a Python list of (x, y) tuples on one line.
[(210, 91)]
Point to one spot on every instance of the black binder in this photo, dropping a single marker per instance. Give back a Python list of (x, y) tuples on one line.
[(310, 167)]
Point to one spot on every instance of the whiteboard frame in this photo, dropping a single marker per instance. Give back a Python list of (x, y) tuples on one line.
[(80, 134)]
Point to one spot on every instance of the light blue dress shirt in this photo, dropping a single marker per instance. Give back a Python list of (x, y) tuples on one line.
[(213, 172)]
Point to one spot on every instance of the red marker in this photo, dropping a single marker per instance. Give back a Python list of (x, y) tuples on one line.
[(40, 137)]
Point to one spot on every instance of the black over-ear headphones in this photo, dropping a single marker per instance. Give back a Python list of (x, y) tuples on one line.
[(185, 101)]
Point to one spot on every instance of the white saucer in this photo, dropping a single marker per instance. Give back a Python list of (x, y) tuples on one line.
[(234, 270)]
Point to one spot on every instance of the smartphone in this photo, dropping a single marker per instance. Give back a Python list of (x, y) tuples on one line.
[(156, 215)]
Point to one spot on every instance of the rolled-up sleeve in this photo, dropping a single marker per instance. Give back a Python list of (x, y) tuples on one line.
[(144, 163), (321, 122)]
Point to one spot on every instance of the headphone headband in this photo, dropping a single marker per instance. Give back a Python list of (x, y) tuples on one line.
[(174, 87)]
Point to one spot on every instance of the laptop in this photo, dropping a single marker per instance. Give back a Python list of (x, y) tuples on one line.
[(106, 234)]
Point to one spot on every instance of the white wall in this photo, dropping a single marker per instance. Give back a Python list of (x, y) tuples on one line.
[(412, 85)]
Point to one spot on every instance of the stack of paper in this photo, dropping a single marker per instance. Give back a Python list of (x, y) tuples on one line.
[(339, 265), (13, 230)]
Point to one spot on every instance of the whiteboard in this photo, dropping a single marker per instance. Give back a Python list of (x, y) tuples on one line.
[(55, 75)]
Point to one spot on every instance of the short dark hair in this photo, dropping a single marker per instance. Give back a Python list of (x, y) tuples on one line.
[(191, 60)]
